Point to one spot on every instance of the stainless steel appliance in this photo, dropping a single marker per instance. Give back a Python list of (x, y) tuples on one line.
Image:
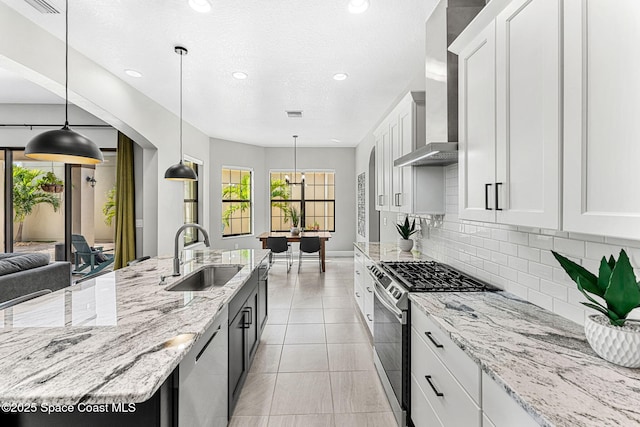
[(393, 282)]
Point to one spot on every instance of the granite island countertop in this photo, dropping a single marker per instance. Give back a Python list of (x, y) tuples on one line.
[(106, 340), (539, 358)]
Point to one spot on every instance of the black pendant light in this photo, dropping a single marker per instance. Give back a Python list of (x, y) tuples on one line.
[(64, 145), (295, 164), (180, 171)]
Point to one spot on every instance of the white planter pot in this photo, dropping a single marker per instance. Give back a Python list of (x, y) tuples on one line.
[(405, 245), (616, 344), (295, 231)]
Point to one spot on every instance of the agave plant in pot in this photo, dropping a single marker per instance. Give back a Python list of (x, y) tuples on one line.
[(611, 335), (405, 230)]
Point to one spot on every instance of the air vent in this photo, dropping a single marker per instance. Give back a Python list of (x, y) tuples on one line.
[(294, 114), (42, 6)]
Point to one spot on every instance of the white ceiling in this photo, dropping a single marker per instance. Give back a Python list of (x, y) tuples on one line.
[(290, 50)]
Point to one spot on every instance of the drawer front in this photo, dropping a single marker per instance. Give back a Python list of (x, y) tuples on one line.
[(500, 408), (358, 273), (368, 305), (421, 411), (358, 257), (466, 371), (450, 402)]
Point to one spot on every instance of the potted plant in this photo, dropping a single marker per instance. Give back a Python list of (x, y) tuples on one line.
[(50, 183), (611, 335), (405, 230), (295, 220), (316, 226)]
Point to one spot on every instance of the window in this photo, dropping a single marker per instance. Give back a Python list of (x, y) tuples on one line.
[(315, 200), (236, 201), (191, 206)]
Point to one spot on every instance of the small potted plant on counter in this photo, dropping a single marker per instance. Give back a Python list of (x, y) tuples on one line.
[(295, 220), (405, 230), (611, 335)]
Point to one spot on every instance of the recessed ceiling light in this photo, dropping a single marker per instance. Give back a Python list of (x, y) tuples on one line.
[(358, 6), (340, 76), (239, 75), (335, 140), (133, 73), (202, 6)]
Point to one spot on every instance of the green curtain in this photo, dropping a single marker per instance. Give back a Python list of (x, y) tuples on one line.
[(125, 250)]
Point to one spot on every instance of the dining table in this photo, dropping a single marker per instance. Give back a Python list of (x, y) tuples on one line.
[(323, 235)]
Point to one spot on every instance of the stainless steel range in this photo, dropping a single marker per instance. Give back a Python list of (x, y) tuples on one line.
[(393, 282)]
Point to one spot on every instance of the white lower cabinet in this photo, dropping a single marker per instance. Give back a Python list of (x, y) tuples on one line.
[(500, 408), (422, 413), (437, 367), (368, 300), (363, 287)]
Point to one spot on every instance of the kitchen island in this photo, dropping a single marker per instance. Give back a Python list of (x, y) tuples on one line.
[(115, 339)]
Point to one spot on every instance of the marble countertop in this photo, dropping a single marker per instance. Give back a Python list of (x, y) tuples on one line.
[(377, 252), (541, 359), (106, 340)]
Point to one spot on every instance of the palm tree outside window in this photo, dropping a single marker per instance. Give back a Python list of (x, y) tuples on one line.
[(236, 201)]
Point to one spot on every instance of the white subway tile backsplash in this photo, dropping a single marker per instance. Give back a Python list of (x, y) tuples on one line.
[(540, 299), (529, 280), (555, 290), (569, 311), (518, 263), (519, 237), (508, 248), (492, 245), (598, 250), (541, 270), (517, 258), (569, 247), (509, 273), (540, 241), (532, 254), (498, 234)]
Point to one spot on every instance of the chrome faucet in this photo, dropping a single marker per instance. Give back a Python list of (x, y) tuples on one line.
[(176, 258)]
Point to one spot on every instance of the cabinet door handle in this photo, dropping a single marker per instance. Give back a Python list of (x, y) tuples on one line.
[(486, 197), (436, 343), (498, 184), (207, 344), (250, 315), (369, 317), (435, 390), (381, 200), (369, 290)]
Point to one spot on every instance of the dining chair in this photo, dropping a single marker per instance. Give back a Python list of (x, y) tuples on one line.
[(280, 247), (309, 245)]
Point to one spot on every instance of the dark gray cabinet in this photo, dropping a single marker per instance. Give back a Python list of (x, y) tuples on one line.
[(248, 315)]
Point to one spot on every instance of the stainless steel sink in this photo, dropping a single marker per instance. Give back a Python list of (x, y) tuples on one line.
[(205, 278)]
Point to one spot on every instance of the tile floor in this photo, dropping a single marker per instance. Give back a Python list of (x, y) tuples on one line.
[(314, 365)]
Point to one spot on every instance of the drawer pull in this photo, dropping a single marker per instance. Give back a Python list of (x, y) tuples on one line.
[(369, 318), (357, 272), (357, 295), (369, 289), (435, 390), (436, 343)]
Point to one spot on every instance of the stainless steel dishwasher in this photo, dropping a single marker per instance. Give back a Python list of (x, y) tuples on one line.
[(202, 392)]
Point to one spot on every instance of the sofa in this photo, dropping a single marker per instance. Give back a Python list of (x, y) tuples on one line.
[(24, 273)]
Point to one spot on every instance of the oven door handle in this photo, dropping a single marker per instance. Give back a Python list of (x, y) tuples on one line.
[(398, 313)]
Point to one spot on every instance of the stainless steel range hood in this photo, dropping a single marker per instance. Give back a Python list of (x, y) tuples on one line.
[(444, 25), (435, 153)]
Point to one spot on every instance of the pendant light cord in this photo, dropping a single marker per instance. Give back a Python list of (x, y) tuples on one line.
[(66, 65), (295, 157), (181, 153)]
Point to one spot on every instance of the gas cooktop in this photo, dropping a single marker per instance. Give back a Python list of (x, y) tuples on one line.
[(431, 276)]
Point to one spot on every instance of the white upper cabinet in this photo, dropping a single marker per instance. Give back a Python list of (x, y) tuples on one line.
[(528, 39), (477, 131), (602, 117), (406, 189), (509, 119)]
